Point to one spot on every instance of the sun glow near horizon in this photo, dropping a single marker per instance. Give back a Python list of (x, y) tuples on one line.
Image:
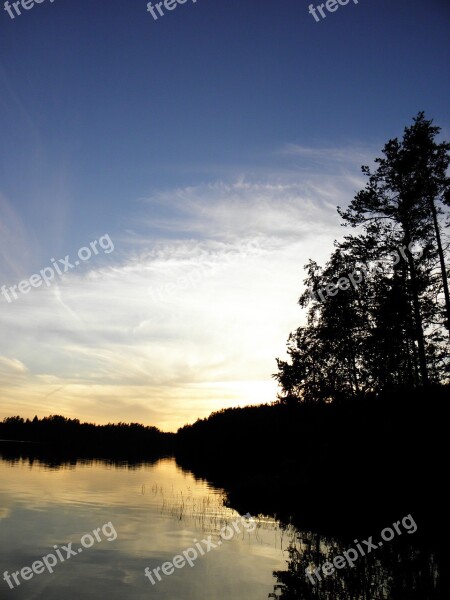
[(167, 329)]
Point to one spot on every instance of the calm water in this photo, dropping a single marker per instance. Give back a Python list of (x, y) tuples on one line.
[(126, 518), (156, 510)]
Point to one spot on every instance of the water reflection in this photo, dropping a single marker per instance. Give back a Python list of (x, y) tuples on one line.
[(398, 571), (157, 510)]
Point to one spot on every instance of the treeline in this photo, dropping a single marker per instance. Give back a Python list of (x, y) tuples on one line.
[(58, 435), (378, 313), (328, 465)]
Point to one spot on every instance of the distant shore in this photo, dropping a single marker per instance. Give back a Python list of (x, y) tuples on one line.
[(324, 466)]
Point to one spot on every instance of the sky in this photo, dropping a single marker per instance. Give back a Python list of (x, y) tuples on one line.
[(202, 154)]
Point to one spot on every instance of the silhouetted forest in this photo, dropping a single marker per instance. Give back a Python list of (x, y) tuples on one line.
[(326, 466), (58, 437), (337, 471), (378, 313)]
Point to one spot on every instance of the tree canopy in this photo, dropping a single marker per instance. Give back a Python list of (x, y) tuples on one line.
[(378, 312)]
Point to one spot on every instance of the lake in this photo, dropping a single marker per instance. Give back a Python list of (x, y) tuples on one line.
[(143, 515), (91, 529)]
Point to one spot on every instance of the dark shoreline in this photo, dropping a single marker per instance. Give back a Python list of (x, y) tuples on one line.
[(336, 472), (334, 469)]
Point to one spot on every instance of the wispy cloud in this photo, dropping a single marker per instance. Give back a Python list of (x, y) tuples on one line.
[(11, 368), (98, 346), (350, 155)]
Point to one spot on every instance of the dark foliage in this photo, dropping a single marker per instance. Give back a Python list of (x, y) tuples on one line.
[(333, 468), (57, 436), (390, 326)]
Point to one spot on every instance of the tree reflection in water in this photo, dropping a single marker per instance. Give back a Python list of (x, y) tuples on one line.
[(395, 572)]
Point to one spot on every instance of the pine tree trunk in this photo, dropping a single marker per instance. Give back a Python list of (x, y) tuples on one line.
[(442, 262), (418, 325)]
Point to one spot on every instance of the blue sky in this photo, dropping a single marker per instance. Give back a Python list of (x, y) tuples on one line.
[(224, 129)]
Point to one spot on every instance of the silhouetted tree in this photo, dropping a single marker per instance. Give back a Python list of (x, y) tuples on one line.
[(389, 329)]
